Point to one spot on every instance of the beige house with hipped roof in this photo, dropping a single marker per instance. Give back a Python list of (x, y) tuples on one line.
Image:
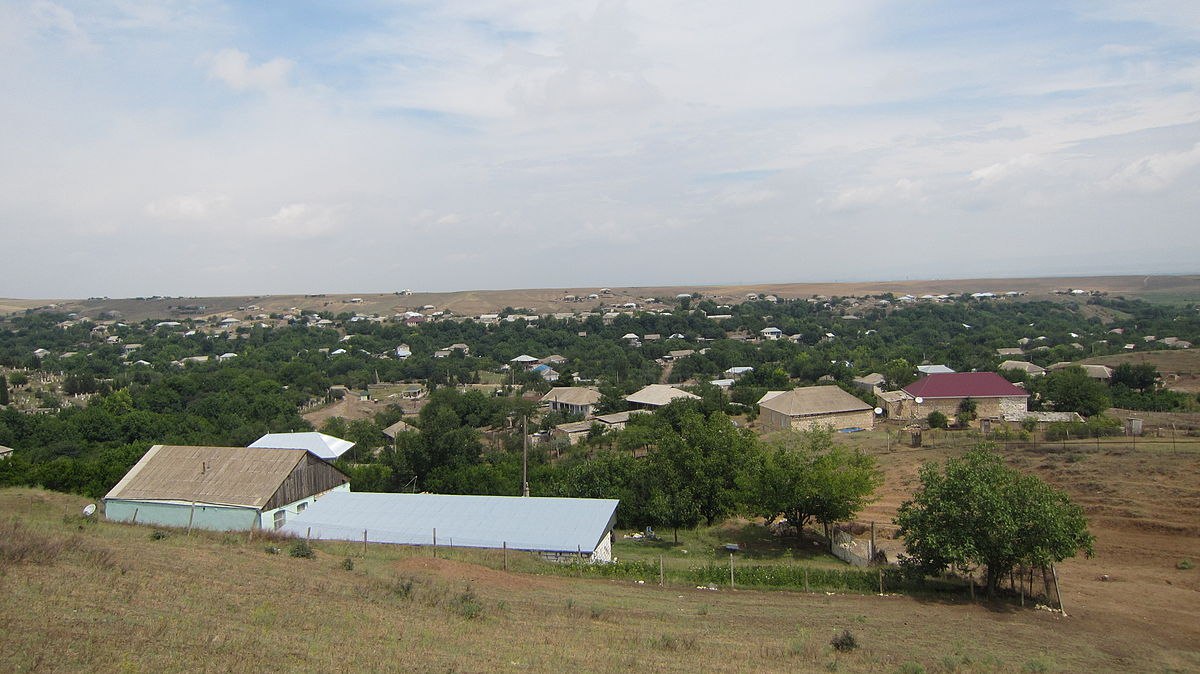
[(658, 395), (811, 407), (572, 399)]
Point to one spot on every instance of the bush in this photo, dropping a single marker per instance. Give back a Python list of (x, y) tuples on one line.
[(348, 564), (844, 642), (937, 420), (272, 550), (1185, 565), (158, 535), (467, 604), (301, 549)]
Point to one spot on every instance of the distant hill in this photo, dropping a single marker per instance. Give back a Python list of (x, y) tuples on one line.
[(1167, 289)]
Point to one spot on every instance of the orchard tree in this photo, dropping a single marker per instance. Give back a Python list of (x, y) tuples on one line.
[(975, 511), (808, 477), (1072, 390)]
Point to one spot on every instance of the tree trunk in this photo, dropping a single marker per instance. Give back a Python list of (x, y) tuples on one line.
[(993, 578), (676, 530)]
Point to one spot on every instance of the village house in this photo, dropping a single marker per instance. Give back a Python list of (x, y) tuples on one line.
[(1022, 366), (814, 407), (572, 400), (994, 396), (657, 395)]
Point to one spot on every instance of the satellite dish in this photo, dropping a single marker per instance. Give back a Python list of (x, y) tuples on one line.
[(89, 510), (920, 400), (878, 410)]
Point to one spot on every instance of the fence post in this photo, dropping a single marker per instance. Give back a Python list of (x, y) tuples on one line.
[(135, 512), (660, 572), (506, 555), (364, 554), (806, 579), (731, 570), (435, 541), (880, 581), (1057, 590), (191, 514)]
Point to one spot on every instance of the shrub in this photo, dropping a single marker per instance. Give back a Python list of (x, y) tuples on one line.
[(937, 419), (158, 535), (1185, 565), (301, 549), (844, 642), (467, 604), (403, 587), (912, 668), (272, 550), (597, 612), (348, 564)]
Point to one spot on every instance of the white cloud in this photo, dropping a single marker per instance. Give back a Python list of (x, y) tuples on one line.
[(189, 207), (1156, 171), (857, 198), (995, 173), (232, 66), (302, 221)]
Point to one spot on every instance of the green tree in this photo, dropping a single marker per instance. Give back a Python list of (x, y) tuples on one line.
[(937, 419), (899, 373), (966, 413), (1072, 390), (978, 512), (1140, 377), (807, 476), (3, 389)]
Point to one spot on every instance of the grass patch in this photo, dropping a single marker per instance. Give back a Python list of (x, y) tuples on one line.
[(19, 544)]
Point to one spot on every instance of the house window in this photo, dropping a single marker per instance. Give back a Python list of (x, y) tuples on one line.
[(279, 518), (300, 508)]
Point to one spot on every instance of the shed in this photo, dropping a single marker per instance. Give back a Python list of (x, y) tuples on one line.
[(221, 488), (559, 528), (323, 446)]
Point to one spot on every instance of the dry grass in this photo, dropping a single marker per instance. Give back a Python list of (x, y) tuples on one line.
[(219, 602)]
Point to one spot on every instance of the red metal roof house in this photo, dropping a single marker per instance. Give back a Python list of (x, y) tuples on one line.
[(994, 396)]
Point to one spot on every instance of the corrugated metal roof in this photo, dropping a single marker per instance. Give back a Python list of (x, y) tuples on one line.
[(572, 395), (658, 395), (544, 524), (220, 475), (964, 385), (325, 446)]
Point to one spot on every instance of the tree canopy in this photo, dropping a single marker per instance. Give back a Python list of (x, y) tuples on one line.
[(977, 512)]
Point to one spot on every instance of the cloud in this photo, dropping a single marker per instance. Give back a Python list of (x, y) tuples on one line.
[(232, 66), (1155, 172), (187, 208), (302, 221), (857, 198), (54, 20), (995, 173)]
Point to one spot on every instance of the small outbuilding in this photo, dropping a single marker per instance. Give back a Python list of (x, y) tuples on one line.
[(221, 488), (323, 446)]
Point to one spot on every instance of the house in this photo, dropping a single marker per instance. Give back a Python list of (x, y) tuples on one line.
[(572, 400), (1010, 351), (573, 432), (554, 359), (658, 395), (723, 384), (545, 372), (398, 428), (1026, 367), (738, 370), (615, 421), (320, 445), (771, 333), (526, 361), (933, 369), (403, 352), (555, 528), (221, 488), (814, 407), (6, 452), (1101, 372), (994, 396), (678, 353), (872, 382)]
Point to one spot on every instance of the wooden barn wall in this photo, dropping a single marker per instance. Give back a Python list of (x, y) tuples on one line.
[(310, 476)]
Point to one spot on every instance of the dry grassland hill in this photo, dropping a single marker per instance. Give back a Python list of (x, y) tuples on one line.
[(553, 300)]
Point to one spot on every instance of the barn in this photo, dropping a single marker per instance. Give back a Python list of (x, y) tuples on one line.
[(555, 528), (221, 488), (324, 446), (812, 407)]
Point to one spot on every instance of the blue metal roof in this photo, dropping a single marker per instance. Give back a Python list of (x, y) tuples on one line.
[(529, 523)]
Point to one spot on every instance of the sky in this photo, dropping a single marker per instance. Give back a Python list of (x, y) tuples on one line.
[(155, 147)]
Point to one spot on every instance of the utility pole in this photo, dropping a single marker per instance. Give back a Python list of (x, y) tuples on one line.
[(525, 455)]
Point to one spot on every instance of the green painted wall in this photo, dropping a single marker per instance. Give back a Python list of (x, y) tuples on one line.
[(216, 518)]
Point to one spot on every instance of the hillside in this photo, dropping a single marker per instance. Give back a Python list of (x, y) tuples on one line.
[(1174, 289), (107, 597)]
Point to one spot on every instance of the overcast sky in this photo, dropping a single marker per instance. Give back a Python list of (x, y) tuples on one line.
[(201, 148)]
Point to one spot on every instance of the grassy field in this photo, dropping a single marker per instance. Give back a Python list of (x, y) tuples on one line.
[(98, 596)]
